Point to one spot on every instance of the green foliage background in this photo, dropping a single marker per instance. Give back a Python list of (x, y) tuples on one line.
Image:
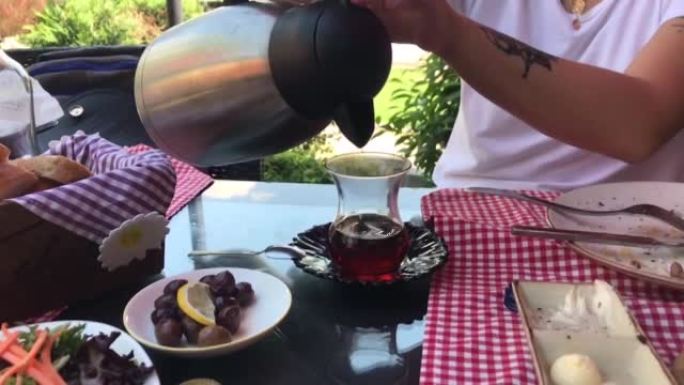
[(418, 105), (423, 112), (302, 164), (65, 23), (156, 10)]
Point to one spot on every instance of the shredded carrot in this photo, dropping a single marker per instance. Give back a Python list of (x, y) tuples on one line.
[(33, 371), (27, 358), (8, 341), (35, 349), (46, 358), (36, 363), (5, 330)]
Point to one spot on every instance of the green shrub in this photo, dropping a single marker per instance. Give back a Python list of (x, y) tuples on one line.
[(295, 166), (302, 164), (155, 10), (400, 77), (423, 113), (101, 22), (80, 23)]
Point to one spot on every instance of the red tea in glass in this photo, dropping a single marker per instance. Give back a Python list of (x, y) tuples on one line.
[(368, 241), (368, 247)]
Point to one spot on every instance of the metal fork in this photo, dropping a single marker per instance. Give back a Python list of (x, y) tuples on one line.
[(293, 252), (649, 210), (594, 237)]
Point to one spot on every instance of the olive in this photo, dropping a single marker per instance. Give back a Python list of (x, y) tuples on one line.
[(208, 279), (218, 290), (168, 332), (229, 318), (173, 286), (224, 301), (166, 301), (162, 314), (245, 293), (213, 335), (191, 329), (225, 279)]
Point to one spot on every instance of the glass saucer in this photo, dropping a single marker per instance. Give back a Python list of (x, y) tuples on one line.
[(427, 253)]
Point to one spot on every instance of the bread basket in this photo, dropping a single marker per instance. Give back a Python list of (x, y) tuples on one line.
[(81, 240)]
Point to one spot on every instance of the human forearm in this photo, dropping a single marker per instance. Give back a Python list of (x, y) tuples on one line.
[(627, 116), (592, 108)]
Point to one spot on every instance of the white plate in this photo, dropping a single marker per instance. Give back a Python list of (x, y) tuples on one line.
[(618, 346), (651, 264), (123, 345), (271, 304)]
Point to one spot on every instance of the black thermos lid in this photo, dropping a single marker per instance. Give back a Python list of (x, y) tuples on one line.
[(328, 60)]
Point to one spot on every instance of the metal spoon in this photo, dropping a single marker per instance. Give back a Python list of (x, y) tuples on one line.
[(293, 252)]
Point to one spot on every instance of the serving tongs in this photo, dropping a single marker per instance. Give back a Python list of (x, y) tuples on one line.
[(593, 237), (648, 210)]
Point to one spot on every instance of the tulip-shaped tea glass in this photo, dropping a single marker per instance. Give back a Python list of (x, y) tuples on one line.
[(368, 241)]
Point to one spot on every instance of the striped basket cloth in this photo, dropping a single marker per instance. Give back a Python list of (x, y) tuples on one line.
[(123, 186)]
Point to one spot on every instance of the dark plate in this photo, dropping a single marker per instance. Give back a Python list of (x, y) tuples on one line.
[(427, 252)]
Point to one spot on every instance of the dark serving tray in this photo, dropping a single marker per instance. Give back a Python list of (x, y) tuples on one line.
[(427, 253)]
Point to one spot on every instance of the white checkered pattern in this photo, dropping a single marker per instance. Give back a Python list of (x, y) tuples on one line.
[(470, 337), (190, 182)]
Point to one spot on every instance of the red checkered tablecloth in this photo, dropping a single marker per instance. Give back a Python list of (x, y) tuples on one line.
[(470, 337), (190, 182)]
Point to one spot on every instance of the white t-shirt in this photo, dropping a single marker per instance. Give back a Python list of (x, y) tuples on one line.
[(490, 147)]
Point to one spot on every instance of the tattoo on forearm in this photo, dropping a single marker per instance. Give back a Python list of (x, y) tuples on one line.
[(529, 55)]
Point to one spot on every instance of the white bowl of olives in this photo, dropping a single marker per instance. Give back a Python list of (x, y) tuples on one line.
[(207, 312)]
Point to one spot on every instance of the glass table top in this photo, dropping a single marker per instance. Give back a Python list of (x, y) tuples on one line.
[(334, 334)]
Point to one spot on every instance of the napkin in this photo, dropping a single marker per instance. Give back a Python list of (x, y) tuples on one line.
[(15, 101)]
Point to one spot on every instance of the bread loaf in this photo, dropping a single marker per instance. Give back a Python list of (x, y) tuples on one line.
[(55, 168), (23, 176), (15, 181), (4, 153)]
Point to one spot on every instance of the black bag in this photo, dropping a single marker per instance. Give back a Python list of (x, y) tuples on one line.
[(94, 86)]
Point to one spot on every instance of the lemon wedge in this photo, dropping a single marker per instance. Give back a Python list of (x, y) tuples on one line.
[(195, 301)]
